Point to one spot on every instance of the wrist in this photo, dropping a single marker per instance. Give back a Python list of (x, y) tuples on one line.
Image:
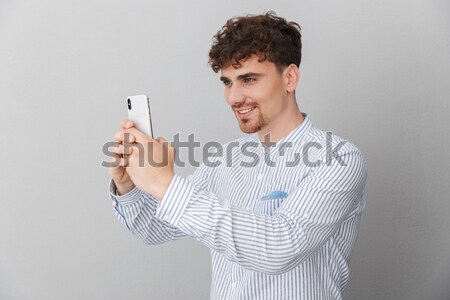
[(124, 188), (159, 189)]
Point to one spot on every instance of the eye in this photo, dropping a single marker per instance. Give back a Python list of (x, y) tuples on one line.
[(226, 83), (249, 80)]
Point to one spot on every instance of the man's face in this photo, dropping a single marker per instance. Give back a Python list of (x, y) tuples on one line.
[(257, 94)]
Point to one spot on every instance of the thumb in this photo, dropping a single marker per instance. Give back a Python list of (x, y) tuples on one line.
[(166, 144)]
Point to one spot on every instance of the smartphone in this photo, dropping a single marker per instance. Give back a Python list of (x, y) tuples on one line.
[(139, 113)]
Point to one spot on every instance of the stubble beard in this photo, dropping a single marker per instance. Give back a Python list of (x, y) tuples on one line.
[(247, 126)]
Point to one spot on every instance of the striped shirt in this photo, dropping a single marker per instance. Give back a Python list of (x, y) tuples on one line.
[(280, 221)]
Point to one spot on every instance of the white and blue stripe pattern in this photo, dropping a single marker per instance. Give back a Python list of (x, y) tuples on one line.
[(275, 232)]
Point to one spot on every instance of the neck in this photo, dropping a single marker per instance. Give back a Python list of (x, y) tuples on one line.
[(281, 127)]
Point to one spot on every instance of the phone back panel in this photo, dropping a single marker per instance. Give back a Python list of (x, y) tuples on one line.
[(139, 113)]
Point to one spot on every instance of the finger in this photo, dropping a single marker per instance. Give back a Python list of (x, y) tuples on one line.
[(115, 145), (164, 141), (166, 144), (138, 135), (125, 124), (124, 162), (115, 148), (118, 136), (122, 149), (113, 157), (114, 160), (122, 136), (118, 160)]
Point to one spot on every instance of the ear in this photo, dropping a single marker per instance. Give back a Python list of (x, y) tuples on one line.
[(291, 76)]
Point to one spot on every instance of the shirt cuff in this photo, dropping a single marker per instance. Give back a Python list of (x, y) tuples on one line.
[(126, 199), (175, 200)]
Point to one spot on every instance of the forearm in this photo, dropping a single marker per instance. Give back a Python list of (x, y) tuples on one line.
[(272, 244), (258, 242), (262, 243)]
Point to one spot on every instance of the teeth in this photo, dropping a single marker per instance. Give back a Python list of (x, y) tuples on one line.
[(244, 111)]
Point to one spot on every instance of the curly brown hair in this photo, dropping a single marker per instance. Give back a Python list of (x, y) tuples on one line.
[(269, 36)]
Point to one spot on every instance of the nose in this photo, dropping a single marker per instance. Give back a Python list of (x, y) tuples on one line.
[(234, 95)]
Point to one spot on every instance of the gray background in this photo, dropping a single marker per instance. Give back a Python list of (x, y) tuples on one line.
[(375, 72)]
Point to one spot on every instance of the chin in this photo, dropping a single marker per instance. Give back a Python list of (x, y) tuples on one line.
[(249, 128)]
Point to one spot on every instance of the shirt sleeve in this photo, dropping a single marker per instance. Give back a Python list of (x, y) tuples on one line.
[(136, 212), (276, 243)]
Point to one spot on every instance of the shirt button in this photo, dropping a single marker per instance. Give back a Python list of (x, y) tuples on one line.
[(166, 218), (306, 216), (260, 176), (114, 203), (233, 285)]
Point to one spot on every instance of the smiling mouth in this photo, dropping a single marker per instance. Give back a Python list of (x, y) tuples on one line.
[(245, 112)]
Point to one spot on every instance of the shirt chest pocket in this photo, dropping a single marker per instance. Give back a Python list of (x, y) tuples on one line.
[(270, 202)]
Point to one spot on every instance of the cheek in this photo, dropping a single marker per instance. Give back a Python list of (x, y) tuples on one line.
[(264, 95), (272, 98)]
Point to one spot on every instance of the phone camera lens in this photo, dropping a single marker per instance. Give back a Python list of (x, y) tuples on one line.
[(129, 104)]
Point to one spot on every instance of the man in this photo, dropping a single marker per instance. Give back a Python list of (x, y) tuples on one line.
[(281, 223)]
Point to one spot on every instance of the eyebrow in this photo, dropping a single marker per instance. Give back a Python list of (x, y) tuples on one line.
[(242, 76)]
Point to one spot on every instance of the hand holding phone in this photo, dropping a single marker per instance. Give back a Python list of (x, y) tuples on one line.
[(152, 179)]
